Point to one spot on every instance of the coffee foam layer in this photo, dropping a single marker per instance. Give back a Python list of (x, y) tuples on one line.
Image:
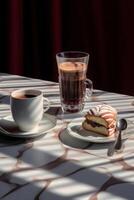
[(72, 66)]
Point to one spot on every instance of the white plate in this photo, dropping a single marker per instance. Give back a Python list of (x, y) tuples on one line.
[(47, 123), (75, 129)]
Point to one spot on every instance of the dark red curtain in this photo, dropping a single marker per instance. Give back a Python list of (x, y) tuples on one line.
[(33, 31)]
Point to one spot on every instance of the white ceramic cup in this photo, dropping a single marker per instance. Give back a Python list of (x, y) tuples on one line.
[(27, 108)]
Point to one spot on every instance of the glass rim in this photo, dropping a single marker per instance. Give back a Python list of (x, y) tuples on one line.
[(63, 54)]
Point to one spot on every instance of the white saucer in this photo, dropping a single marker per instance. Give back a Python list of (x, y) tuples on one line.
[(75, 129), (47, 123)]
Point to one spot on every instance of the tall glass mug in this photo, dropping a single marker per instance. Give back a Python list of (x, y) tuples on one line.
[(72, 68)]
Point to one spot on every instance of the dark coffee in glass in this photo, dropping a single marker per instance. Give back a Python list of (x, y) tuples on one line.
[(72, 85), (72, 81)]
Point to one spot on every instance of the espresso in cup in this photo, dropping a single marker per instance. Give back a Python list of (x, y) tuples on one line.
[(27, 108), (24, 96)]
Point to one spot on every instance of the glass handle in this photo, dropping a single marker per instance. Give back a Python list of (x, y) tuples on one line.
[(89, 85)]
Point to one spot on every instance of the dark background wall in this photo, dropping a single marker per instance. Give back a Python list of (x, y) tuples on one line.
[(33, 31)]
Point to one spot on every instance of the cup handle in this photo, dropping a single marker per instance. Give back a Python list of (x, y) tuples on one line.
[(48, 104), (89, 85)]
